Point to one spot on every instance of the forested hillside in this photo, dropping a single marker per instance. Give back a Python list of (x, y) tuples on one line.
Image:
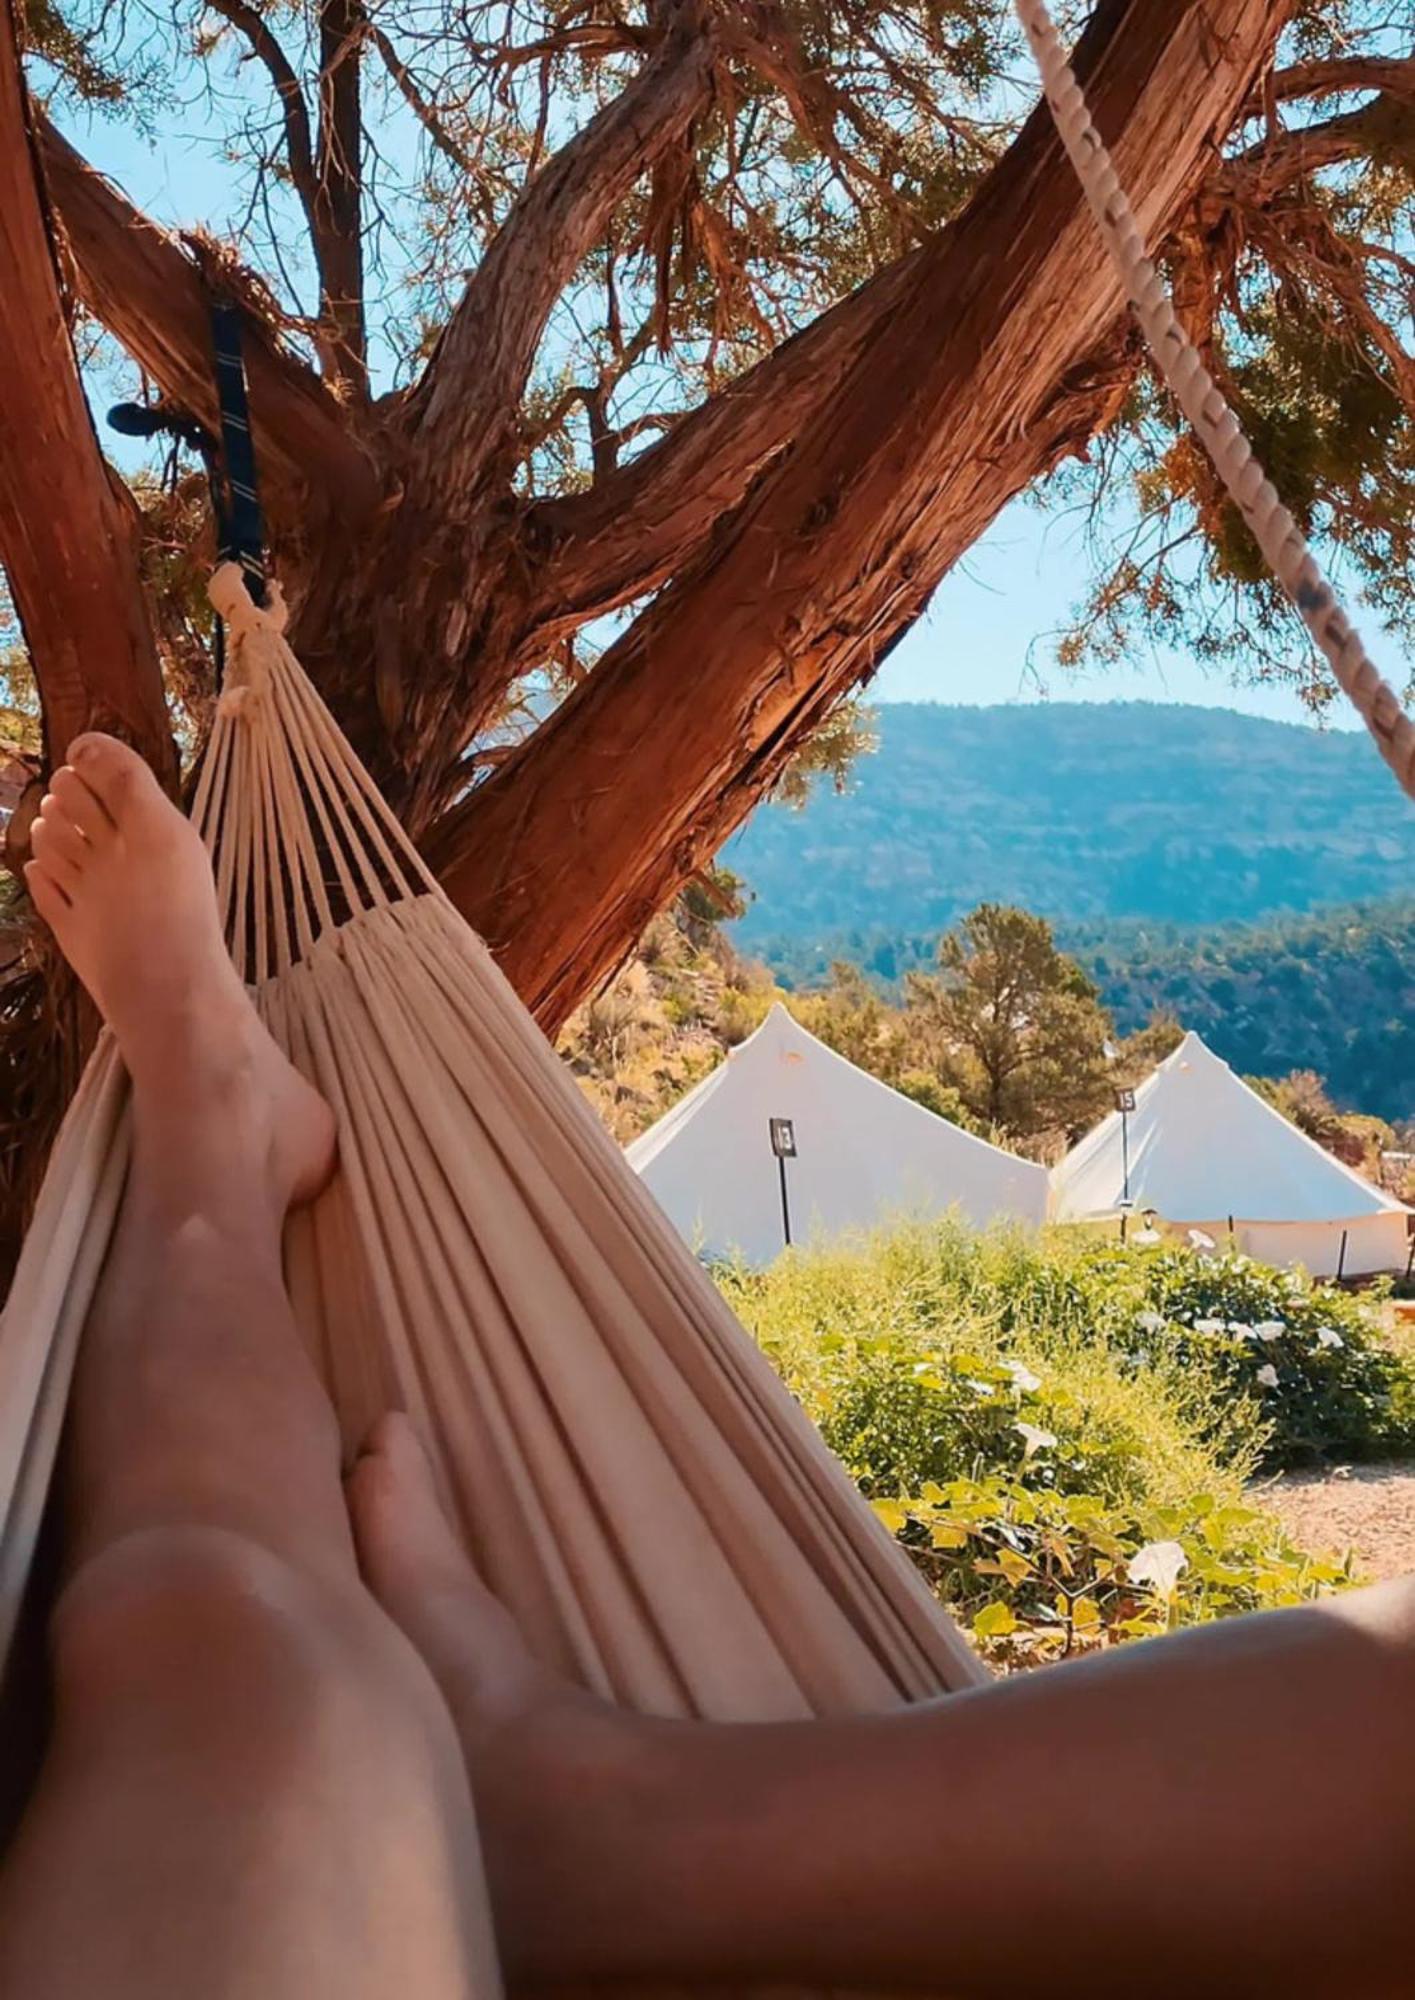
[(1254, 879), (1333, 992), (1083, 813)]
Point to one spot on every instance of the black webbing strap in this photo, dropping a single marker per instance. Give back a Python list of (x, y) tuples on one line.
[(239, 529), (229, 461)]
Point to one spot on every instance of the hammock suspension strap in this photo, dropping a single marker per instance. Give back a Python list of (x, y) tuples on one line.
[(240, 527), (229, 461)]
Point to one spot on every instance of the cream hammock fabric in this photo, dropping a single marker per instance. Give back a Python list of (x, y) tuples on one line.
[(630, 1476)]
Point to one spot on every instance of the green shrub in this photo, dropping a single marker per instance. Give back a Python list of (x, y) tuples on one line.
[(1327, 1382), (1039, 1575), (1036, 1417), (1208, 1333), (916, 1351)]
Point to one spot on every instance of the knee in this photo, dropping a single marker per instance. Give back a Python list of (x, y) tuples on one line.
[(1375, 1702), (200, 1640)]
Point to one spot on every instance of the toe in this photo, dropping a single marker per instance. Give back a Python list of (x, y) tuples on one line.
[(46, 895), (395, 1438), (400, 1527), (81, 807), (47, 846), (61, 836), (392, 1495), (116, 775)]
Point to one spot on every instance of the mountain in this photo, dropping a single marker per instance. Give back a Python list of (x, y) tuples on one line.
[(1256, 879), (1082, 812)]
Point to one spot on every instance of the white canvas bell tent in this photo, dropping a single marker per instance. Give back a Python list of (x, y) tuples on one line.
[(1203, 1147), (863, 1154)]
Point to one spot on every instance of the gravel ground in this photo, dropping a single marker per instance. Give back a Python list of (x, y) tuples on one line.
[(1369, 1509)]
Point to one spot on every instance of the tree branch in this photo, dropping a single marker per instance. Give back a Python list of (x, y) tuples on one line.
[(294, 112), (630, 532), (412, 96), (68, 535), (323, 172), (1345, 74), (464, 413), (1007, 348), (139, 283), (338, 204), (1275, 162)]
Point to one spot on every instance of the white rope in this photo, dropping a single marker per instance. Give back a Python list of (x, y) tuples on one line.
[(1282, 542)]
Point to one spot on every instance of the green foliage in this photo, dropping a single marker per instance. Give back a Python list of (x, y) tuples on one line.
[(1039, 1575), (1020, 1033), (1034, 1067), (1300, 332), (1007, 1039), (830, 755), (1050, 1433), (943, 1099), (75, 45), (1329, 1387), (1331, 994), (671, 1015)]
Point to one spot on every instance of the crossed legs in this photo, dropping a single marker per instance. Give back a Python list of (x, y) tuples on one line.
[(253, 1788)]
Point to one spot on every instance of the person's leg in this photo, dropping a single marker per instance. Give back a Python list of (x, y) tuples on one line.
[(1225, 1812), (252, 1787)]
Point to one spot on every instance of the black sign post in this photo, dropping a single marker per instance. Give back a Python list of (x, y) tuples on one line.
[(1125, 1104), (783, 1144)]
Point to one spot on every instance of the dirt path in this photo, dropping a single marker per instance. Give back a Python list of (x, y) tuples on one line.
[(1369, 1509)]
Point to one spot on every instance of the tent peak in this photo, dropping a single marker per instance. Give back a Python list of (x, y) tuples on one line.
[(1193, 1048)]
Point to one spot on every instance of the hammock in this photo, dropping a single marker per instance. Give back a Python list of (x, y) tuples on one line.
[(630, 1476)]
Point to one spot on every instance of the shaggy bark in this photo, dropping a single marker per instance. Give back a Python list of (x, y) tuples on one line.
[(1005, 352), (69, 539)]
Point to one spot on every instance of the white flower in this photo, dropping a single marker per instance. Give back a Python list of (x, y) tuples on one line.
[(1146, 1236), (983, 1389), (1241, 1330), (1201, 1240), (1296, 1284), (1158, 1567), (1267, 1375), (1022, 1377), (1151, 1322), (1270, 1329), (1034, 1439), (1209, 1326), (1327, 1336)]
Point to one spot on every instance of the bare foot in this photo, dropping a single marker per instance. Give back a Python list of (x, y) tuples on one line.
[(124, 882), (549, 1763)]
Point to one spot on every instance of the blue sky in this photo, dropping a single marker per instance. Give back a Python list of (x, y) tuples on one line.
[(993, 615), (989, 619)]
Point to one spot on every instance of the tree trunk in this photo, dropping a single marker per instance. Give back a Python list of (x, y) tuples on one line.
[(70, 543), (1007, 351)]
